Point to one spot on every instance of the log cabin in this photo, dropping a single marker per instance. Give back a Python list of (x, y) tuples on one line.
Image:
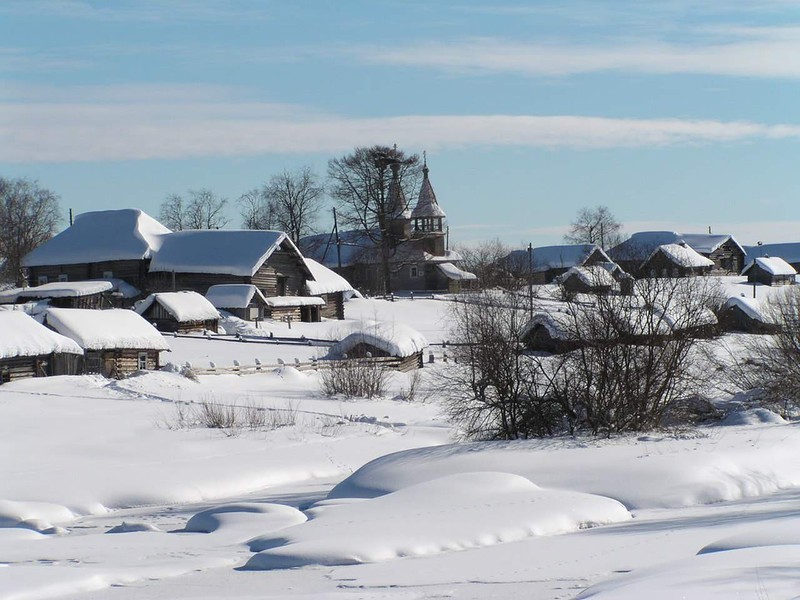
[(770, 270), (329, 286), (180, 312), (29, 349), (243, 300), (115, 342), (675, 260)]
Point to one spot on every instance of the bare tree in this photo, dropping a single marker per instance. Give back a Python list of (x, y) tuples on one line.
[(371, 186), (487, 260), (297, 198), (29, 216), (204, 210), (595, 226), (624, 361), (257, 212)]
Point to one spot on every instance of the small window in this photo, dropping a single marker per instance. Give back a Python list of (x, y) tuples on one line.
[(108, 274), (42, 279), (142, 362), (63, 277), (414, 271)]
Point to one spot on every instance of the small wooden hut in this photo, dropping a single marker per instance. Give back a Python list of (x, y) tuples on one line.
[(115, 342), (179, 312), (295, 308), (329, 286), (396, 345), (676, 260), (243, 300), (770, 270), (29, 349), (593, 279), (749, 315)]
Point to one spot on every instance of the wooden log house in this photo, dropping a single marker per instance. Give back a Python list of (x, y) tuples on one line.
[(179, 312), (29, 349)]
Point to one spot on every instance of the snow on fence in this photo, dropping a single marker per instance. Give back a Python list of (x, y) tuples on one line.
[(389, 362)]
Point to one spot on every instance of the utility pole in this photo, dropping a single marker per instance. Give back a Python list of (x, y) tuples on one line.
[(530, 279), (338, 241)]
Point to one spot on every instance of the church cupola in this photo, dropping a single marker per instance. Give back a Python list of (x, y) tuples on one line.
[(427, 215)]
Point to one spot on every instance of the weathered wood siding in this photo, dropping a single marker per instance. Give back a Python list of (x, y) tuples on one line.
[(92, 301), (21, 367), (728, 258), (132, 271), (333, 307), (119, 362), (164, 321)]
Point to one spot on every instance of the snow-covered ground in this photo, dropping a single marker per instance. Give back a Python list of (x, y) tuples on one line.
[(113, 490)]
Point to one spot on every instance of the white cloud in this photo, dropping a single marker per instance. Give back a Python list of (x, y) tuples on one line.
[(746, 52), (150, 122)]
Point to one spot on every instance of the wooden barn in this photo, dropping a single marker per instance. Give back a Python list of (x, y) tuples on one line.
[(545, 263), (115, 342), (724, 252), (179, 312), (676, 260), (770, 270), (750, 315), (196, 260), (329, 286), (395, 345), (594, 279), (108, 244), (66, 294), (243, 300), (29, 349), (294, 308)]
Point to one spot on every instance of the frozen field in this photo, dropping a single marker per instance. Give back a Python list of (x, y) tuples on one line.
[(109, 490)]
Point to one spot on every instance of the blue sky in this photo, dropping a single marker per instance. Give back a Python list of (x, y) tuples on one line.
[(676, 115)]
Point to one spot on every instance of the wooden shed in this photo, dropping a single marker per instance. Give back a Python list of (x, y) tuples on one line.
[(198, 259), (243, 300), (676, 260), (63, 294), (179, 312), (399, 343), (594, 279), (100, 244), (770, 270), (750, 315), (29, 349), (294, 308), (329, 286), (115, 342)]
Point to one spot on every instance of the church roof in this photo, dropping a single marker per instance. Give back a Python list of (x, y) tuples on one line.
[(427, 205)]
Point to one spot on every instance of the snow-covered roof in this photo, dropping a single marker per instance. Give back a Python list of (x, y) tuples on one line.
[(773, 265), (105, 329), (591, 275), (553, 257), (284, 301), (184, 306), (752, 307), (22, 335), (325, 281), (427, 205), (228, 251), (642, 244), (127, 234), (396, 339), (451, 271), (56, 289), (681, 255), (122, 288), (233, 295), (788, 251)]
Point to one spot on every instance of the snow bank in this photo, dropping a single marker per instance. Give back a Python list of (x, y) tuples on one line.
[(645, 473), (750, 573), (38, 516), (455, 512), (103, 329), (268, 517), (128, 234), (184, 306), (22, 335), (396, 339), (325, 281)]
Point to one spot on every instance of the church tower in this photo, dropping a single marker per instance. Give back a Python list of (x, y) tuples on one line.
[(399, 217), (428, 217)]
